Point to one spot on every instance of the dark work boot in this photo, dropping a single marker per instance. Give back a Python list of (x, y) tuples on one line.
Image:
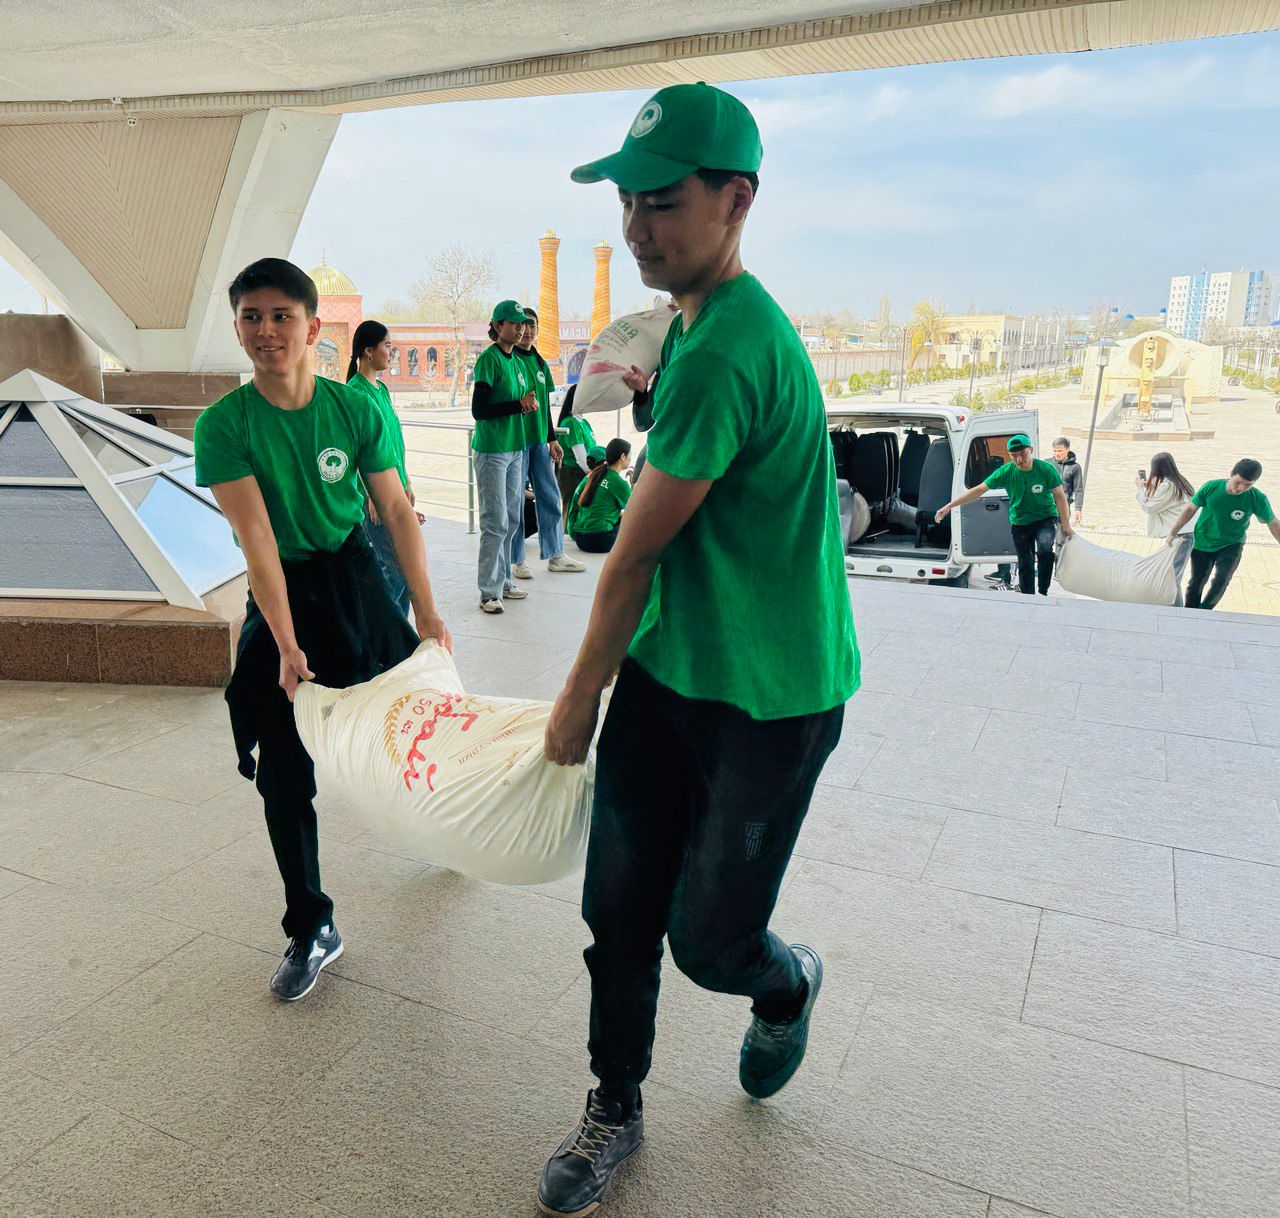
[(575, 1177), (772, 1052), (306, 956)]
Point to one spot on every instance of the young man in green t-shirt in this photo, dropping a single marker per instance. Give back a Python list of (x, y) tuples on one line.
[(542, 454), (723, 609), (1037, 509), (284, 456), (1226, 505)]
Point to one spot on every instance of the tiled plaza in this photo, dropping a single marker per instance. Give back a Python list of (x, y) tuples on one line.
[(1043, 869)]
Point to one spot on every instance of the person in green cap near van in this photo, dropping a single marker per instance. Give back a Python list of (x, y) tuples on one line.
[(1037, 509), (501, 395), (723, 608)]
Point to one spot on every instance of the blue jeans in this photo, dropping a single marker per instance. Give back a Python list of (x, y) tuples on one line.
[(380, 540), (500, 485), (539, 468)]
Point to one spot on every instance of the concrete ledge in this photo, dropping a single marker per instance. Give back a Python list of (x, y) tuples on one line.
[(1171, 437)]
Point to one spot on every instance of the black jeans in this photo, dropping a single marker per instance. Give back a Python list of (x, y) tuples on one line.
[(697, 809), (596, 543), (1033, 543), (1222, 563), (287, 786)]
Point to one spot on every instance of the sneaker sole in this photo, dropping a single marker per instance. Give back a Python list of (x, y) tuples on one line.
[(324, 964), (591, 1207)]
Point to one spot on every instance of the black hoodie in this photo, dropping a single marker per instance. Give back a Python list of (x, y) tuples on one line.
[(1072, 480)]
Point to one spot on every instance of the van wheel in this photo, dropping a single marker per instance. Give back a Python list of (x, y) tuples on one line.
[(959, 581)]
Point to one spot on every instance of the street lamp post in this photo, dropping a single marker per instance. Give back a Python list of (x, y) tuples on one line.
[(1105, 346)]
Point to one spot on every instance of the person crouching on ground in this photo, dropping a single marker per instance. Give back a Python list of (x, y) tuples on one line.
[(724, 611), (597, 508), (582, 452), (1226, 507), (284, 456), (1034, 491), (542, 454), (501, 396), (371, 354)]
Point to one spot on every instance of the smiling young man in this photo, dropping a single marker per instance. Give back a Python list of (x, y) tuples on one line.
[(724, 611), (284, 456), (1037, 509), (1226, 506)]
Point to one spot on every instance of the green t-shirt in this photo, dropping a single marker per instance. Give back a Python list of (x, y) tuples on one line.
[(580, 433), (380, 395), (306, 461), (509, 376), (604, 512), (1030, 493), (750, 603), (537, 424), (1224, 517)]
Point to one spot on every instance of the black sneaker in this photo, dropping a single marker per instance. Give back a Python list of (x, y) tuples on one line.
[(575, 1177), (772, 1052), (307, 955)]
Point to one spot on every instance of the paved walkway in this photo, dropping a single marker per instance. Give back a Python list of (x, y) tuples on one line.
[(1043, 868)]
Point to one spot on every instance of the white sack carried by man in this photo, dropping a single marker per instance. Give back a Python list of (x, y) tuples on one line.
[(1115, 575), (458, 779), (634, 340)]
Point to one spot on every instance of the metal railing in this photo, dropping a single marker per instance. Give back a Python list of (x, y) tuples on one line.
[(465, 456)]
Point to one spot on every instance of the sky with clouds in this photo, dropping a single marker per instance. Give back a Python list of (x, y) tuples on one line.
[(1018, 184)]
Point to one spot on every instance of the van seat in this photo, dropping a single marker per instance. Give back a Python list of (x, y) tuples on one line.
[(936, 477)]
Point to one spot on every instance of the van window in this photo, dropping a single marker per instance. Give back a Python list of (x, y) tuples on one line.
[(986, 455)]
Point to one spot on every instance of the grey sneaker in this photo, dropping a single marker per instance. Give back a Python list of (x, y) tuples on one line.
[(521, 570), (563, 562), (492, 605), (772, 1052), (512, 593), (575, 1177), (307, 955)]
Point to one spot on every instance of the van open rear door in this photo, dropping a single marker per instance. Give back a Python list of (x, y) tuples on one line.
[(980, 531)]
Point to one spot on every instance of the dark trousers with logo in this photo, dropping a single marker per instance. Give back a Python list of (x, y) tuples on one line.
[(1033, 544), (697, 809), (1221, 564)]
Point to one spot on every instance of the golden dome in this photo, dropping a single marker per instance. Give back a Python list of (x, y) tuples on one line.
[(330, 281)]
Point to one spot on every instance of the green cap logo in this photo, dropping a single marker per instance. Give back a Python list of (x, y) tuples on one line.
[(647, 119)]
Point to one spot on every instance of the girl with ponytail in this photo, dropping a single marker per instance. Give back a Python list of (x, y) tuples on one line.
[(596, 511), (371, 354)]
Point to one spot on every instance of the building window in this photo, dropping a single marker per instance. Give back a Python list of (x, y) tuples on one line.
[(433, 361), (413, 361), (395, 361), (327, 359)]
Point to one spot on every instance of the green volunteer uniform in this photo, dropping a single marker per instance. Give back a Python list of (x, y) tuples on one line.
[(509, 377), (580, 433), (1224, 517), (1030, 492), (538, 424), (738, 403), (306, 461), (380, 396), (604, 512)]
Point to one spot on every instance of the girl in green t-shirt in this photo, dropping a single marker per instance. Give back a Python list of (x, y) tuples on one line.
[(582, 452), (371, 354), (596, 511)]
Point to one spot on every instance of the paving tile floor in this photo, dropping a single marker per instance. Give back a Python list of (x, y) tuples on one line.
[(1043, 867)]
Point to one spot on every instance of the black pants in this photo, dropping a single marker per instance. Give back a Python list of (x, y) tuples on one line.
[(697, 809), (1033, 543), (1222, 563), (596, 543)]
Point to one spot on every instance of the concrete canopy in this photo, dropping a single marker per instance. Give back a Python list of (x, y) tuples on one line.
[(148, 152)]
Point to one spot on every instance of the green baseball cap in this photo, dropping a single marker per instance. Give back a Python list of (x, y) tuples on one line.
[(1018, 443), (679, 130), (508, 310)]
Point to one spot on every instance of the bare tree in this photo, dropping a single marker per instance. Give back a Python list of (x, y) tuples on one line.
[(458, 279)]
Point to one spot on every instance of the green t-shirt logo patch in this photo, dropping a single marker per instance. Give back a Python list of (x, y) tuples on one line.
[(1038, 488), (542, 376), (1237, 515), (646, 120), (333, 464)]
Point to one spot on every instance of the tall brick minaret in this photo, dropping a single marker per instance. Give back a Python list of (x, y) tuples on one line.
[(601, 309), (549, 305)]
